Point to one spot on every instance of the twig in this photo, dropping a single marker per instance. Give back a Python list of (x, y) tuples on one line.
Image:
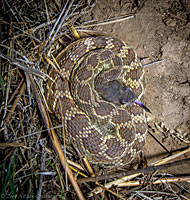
[(155, 181), (38, 195), (15, 103), (13, 144), (88, 167), (135, 173), (10, 53), (24, 67), (54, 140), (110, 21), (154, 137), (57, 21), (110, 191), (176, 155), (13, 12), (60, 24), (16, 91), (177, 17)]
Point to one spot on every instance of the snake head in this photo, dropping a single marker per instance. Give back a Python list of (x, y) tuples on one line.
[(116, 93), (119, 94)]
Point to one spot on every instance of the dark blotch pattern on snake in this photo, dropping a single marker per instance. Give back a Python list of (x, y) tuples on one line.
[(94, 91)]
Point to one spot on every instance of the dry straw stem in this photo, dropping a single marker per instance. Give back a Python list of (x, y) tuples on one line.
[(15, 103), (77, 171), (177, 17), (88, 167), (106, 22), (75, 33), (155, 181), (60, 177), (24, 166), (8, 155), (13, 144), (92, 174), (74, 164), (54, 140), (127, 178), (25, 67), (110, 191), (16, 91)]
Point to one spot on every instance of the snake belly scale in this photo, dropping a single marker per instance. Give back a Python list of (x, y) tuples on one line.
[(101, 120)]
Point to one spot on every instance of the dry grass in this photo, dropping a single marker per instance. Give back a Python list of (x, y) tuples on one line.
[(31, 33)]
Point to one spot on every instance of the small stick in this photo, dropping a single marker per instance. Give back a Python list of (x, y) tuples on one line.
[(75, 165), (54, 140), (111, 21), (13, 144), (134, 173), (74, 31), (89, 168), (177, 17), (16, 91), (15, 103), (9, 154), (159, 142), (92, 174), (110, 191), (60, 20), (40, 185), (24, 67), (162, 180)]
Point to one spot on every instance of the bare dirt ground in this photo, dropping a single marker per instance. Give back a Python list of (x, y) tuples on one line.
[(160, 30)]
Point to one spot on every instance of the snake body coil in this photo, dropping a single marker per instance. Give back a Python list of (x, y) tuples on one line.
[(94, 92)]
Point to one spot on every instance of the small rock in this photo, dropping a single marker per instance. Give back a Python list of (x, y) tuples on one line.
[(171, 23)]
